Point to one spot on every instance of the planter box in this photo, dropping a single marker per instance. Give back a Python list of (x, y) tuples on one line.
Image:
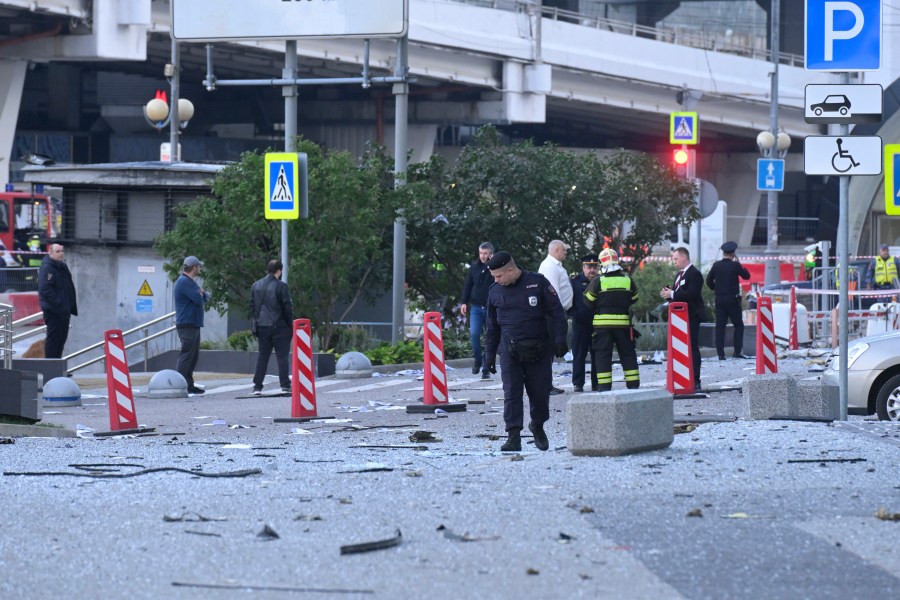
[(21, 394), (229, 361)]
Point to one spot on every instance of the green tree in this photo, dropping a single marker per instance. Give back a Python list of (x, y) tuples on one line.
[(520, 196), (339, 256)]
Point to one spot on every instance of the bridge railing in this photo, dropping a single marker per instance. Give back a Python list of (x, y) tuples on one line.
[(703, 41)]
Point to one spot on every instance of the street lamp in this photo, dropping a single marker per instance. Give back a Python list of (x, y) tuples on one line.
[(158, 116), (772, 146)]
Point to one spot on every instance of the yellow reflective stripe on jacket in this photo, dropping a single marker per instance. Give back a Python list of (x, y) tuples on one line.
[(608, 284), (612, 321)]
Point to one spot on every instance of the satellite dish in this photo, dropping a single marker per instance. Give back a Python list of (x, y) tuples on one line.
[(707, 197)]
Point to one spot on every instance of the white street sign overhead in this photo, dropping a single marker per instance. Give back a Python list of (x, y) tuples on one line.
[(842, 155), (860, 103), (210, 20)]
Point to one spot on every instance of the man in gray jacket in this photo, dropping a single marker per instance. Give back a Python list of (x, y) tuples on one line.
[(273, 319)]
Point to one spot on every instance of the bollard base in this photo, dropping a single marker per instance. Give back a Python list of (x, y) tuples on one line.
[(694, 396), (430, 408), (124, 431)]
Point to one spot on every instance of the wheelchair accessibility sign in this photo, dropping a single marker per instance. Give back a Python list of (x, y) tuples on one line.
[(842, 155)]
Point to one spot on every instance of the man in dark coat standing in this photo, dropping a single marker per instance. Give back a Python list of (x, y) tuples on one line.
[(723, 280), (273, 319), (56, 293), (473, 302), (583, 323), (688, 287)]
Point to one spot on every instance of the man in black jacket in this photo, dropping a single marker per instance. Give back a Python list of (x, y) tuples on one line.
[(688, 287), (56, 293), (475, 292), (723, 280), (273, 316), (583, 323)]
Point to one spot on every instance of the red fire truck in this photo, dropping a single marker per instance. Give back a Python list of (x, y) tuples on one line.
[(28, 222)]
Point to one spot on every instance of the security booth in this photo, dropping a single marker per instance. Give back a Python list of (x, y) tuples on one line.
[(111, 214)]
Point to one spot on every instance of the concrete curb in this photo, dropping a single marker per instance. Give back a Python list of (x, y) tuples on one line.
[(10, 430)]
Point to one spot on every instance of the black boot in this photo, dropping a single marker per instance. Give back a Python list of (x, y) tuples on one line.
[(514, 441), (540, 438)]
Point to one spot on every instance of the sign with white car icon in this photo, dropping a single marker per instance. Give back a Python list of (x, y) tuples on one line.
[(860, 103)]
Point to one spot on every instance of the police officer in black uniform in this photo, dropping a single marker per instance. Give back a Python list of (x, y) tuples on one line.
[(526, 324), (582, 323), (723, 280)]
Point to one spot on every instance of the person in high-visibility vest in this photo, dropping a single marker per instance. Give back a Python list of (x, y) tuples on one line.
[(610, 297), (34, 245), (883, 270)]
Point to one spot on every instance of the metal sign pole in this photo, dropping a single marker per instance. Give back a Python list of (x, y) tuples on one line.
[(401, 117), (290, 132), (843, 245), (773, 265)]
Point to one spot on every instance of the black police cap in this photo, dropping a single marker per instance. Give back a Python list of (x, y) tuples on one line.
[(590, 259), (729, 247), (498, 260)]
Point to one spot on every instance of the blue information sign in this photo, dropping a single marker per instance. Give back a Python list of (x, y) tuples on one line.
[(843, 36), (143, 305), (770, 174)]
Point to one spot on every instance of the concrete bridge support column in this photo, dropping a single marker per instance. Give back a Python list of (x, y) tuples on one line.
[(12, 74)]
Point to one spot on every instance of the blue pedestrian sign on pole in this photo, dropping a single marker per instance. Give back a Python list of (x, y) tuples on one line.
[(843, 35), (286, 185), (770, 174)]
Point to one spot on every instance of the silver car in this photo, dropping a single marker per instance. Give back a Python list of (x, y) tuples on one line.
[(873, 375)]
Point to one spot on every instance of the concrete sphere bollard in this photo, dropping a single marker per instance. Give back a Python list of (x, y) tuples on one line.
[(168, 383), (353, 365), (61, 391)]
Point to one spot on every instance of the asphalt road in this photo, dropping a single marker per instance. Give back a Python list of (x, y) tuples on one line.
[(742, 509)]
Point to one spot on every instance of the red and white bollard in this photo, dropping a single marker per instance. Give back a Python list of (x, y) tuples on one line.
[(766, 354), (680, 364), (303, 377), (122, 414), (435, 392), (435, 368), (793, 337)]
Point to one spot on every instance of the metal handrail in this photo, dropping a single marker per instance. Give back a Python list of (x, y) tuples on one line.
[(124, 333), (6, 312), (630, 28), (143, 340), (29, 318), (27, 334)]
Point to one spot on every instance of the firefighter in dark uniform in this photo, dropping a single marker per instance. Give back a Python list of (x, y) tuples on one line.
[(583, 323), (723, 280), (610, 297), (526, 324)]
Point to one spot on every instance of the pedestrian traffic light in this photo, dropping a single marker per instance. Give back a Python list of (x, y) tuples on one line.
[(682, 161)]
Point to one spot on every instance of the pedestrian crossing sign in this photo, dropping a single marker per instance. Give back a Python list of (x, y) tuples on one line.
[(892, 179), (684, 128), (282, 198)]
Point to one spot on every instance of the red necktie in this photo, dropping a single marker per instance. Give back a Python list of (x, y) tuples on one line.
[(678, 279)]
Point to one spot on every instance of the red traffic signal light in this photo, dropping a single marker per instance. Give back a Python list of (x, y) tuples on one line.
[(683, 162), (680, 157)]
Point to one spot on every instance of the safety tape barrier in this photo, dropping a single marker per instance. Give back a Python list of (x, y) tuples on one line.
[(860, 293)]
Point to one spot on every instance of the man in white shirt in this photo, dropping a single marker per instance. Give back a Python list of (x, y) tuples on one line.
[(554, 271)]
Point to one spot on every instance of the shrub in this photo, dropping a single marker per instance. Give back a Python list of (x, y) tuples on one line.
[(399, 353), (240, 340), (457, 343)]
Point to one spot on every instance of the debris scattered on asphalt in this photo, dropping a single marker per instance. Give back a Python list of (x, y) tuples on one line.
[(243, 587), (299, 431), (375, 545), (238, 446), (242, 473), (565, 538), (884, 515), (448, 533), (825, 460), (695, 513), (238, 426), (190, 517), (268, 533), (206, 533), (685, 427), (737, 515), (307, 518), (413, 473), (7, 440), (532, 571), (392, 446), (424, 436), (370, 467)]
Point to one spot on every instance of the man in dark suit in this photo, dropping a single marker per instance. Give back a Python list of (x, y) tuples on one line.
[(688, 288)]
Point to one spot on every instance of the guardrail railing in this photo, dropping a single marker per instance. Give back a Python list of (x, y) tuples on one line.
[(144, 340), (6, 328)]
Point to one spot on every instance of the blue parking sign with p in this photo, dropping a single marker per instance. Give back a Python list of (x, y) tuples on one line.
[(843, 35), (282, 199)]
